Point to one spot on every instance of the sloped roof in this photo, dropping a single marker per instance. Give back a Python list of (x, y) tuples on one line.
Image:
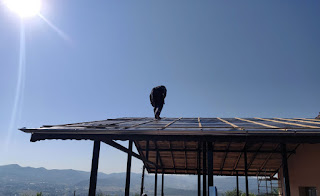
[(176, 140)]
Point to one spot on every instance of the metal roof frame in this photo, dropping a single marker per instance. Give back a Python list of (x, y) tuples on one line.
[(224, 146)]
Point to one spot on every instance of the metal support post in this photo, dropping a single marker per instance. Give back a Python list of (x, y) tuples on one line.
[(237, 183), (94, 168), (204, 168), (210, 166), (127, 189), (143, 169), (199, 168), (142, 180), (285, 169), (156, 175), (162, 185), (246, 171)]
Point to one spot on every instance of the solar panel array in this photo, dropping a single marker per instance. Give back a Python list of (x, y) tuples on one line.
[(180, 155), (187, 124)]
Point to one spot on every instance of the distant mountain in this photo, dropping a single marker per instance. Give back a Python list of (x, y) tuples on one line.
[(17, 180), (28, 174)]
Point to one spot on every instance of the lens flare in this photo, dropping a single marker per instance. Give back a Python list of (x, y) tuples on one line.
[(56, 29), (24, 8), (18, 99)]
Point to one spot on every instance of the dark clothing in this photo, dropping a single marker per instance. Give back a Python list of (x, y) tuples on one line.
[(157, 96), (157, 110), (318, 117)]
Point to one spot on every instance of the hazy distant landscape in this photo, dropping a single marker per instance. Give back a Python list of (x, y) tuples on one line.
[(17, 180)]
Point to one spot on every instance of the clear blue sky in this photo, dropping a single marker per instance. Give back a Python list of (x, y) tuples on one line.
[(216, 58)]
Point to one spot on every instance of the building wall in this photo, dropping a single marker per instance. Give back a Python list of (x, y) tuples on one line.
[(304, 168)]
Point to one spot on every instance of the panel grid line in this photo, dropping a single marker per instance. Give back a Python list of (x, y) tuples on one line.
[(288, 123), (265, 125)]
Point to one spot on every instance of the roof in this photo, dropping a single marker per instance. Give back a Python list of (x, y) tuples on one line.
[(176, 140)]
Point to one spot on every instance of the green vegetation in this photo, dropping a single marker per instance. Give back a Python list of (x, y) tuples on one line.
[(103, 194), (234, 193)]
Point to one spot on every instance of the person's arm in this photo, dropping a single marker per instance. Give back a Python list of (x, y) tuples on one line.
[(151, 99), (164, 93)]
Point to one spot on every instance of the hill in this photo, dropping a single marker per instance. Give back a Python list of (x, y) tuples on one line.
[(17, 180)]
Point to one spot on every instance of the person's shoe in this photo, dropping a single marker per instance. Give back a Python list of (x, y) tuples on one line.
[(157, 117)]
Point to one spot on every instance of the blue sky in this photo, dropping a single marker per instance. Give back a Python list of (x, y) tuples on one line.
[(216, 58)]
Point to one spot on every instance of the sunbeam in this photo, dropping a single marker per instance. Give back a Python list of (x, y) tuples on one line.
[(17, 104), (17, 6), (56, 29)]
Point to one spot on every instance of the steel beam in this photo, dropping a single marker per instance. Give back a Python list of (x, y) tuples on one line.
[(157, 151), (94, 168), (225, 157), (162, 185), (143, 168), (127, 189), (239, 157), (216, 170), (223, 136), (156, 176), (290, 136), (246, 171), (285, 169), (254, 156), (124, 149), (172, 157), (204, 169), (237, 183), (142, 180), (210, 165), (185, 155), (224, 151), (266, 161), (199, 168), (290, 153)]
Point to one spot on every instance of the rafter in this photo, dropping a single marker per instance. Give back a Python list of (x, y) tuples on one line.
[(238, 159), (124, 149), (225, 157), (172, 157), (185, 155), (158, 153), (254, 156), (266, 161)]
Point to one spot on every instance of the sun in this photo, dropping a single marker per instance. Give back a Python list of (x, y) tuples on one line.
[(24, 8)]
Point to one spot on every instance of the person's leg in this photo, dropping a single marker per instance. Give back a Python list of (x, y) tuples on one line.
[(157, 112)]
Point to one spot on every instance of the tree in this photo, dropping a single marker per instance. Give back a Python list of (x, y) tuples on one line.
[(234, 193), (100, 194)]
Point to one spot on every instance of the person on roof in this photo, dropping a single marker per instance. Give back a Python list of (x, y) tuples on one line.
[(157, 96)]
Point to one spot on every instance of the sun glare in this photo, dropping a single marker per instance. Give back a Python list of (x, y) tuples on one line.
[(24, 8)]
